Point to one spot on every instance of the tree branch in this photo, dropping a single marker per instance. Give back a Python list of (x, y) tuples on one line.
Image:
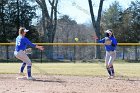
[(52, 9), (55, 13), (100, 11), (43, 6), (92, 13)]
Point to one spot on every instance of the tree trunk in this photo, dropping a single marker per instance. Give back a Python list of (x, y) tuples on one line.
[(96, 25), (50, 36), (49, 24), (18, 24)]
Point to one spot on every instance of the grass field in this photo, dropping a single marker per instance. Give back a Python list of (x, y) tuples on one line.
[(77, 69)]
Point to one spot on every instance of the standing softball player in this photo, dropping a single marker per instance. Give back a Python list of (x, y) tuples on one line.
[(110, 43), (21, 43)]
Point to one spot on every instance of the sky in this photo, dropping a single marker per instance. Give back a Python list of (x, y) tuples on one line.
[(79, 9)]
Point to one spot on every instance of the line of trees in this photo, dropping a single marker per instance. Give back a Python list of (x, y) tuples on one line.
[(13, 14), (125, 23)]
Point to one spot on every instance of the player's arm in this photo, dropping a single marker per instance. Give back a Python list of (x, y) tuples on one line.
[(28, 42), (40, 47), (114, 42), (101, 41)]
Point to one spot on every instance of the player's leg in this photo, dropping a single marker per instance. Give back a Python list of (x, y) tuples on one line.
[(107, 57), (112, 58), (22, 56), (19, 56), (28, 62), (22, 67), (29, 67)]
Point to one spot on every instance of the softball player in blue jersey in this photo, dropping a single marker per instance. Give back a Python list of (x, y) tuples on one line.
[(110, 48), (21, 43)]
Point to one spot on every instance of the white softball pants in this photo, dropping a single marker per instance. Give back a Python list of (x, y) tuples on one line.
[(21, 55), (110, 57)]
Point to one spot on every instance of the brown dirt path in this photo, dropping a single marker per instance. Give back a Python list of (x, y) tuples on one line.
[(68, 84)]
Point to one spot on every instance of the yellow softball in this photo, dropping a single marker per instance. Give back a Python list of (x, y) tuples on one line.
[(76, 39)]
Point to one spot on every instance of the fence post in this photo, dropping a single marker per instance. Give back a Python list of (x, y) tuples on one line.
[(7, 53), (123, 56), (41, 56), (74, 54), (136, 53)]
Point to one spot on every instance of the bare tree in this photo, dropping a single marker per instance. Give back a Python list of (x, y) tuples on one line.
[(96, 24), (49, 22)]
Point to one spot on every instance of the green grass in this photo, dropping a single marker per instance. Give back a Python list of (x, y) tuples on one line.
[(78, 69)]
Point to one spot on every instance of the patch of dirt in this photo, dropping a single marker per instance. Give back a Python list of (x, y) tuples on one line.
[(68, 84)]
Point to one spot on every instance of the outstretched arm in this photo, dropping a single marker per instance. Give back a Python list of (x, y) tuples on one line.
[(40, 47), (99, 41), (33, 45)]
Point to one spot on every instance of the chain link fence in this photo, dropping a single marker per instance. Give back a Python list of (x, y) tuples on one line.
[(71, 53)]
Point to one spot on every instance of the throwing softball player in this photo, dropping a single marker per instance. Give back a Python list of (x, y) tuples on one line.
[(21, 43), (110, 43)]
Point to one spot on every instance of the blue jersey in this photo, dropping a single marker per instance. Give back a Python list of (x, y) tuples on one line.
[(111, 47), (22, 43)]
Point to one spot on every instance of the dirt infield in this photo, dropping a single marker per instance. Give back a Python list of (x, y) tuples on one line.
[(68, 84)]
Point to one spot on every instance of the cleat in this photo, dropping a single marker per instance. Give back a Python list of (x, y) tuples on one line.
[(30, 78), (110, 77)]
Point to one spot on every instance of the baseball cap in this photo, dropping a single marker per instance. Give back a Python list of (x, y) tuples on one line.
[(25, 30), (108, 31)]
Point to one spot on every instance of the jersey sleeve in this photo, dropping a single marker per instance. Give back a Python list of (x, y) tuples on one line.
[(114, 42), (102, 40), (28, 42)]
